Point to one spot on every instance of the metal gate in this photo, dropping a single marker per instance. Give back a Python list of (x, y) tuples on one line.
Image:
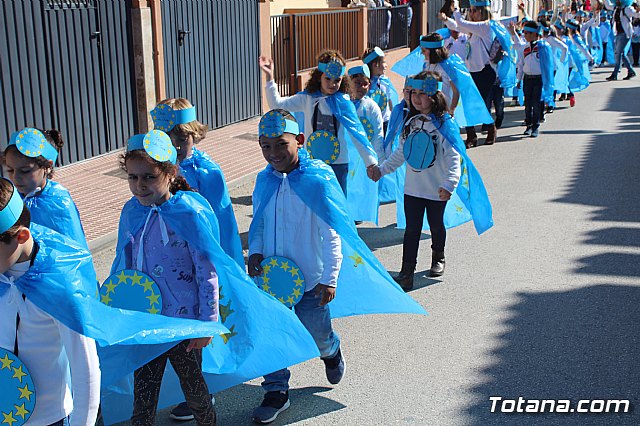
[(66, 65), (433, 11), (211, 49)]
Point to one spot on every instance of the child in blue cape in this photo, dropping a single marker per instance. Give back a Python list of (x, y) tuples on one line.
[(289, 228), (381, 89), (186, 277), (29, 161), (177, 117), (63, 364), (330, 118), (433, 173)]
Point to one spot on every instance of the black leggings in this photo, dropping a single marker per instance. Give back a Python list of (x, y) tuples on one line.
[(414, 209), (485, 81)]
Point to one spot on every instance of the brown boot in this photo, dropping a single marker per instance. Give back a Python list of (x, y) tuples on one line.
[(492, 134), (437, 263), (405, 277), (472, 138)]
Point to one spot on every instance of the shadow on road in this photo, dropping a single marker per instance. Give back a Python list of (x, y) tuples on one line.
[(578, 344)]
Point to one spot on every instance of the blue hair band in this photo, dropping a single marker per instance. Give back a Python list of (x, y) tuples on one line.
[(273, 125), (10, 214), (156, 143), (572, 24), (165, 118), (480, 3), (32, 143), (537, 30), (377, 53), (361, 69), (429, 85), (333, 68), (432, 44)]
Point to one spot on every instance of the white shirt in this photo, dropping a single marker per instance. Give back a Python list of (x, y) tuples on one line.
[(447, 90), (626, 15), (289, 228), (304, 103), (478, 44), (369, 109), (528, 60), (457, 46), (63, 364), (445, 172)]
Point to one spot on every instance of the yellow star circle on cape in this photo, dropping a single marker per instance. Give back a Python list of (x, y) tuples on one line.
[(17, 400), (277, 264), (368, 128), (130, 278), (323, 138)]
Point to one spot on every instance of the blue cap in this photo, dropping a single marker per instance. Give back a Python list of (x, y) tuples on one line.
[(333, 68), (361, 69), (156, 143), (431, 44), (430, 85), (273, 124), (10, 214), (377, 53), (165, 118), (32, 143)]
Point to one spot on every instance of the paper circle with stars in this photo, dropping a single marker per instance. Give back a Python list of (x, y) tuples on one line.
[(323, 145), (380, 98), (31, 142), (164, 117), (132, 290), (419, 150), (282, 279), (272, 124), (368, 128), (333, 69), (18, 396), (159, 147)]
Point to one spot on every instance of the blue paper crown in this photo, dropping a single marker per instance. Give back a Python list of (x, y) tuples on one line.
[(333, 68), (165, 118), (156, 143), (361, 69), (431, 44), (480, 3), (572, 23), (32, 143), (581, 13), (543, 13), (10, 214), (529, 28), (377, 53), (273, 125), (430, 85), (558, 25)]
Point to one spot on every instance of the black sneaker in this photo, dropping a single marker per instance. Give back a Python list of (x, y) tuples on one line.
[(182, 412), (528, 131), (273, 404), (629, 76), (611, 78), (334, 368)]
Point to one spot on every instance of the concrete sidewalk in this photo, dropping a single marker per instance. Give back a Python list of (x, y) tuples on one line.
[(99, 188)]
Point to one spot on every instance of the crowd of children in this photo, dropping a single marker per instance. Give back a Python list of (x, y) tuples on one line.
[(334, 153)]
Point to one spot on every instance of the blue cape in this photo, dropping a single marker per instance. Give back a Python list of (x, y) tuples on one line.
[(263, 335), (561, 79), (364, 286), (580, 77), (546, 67), (470, 199), (385, 81), (609, 54), (390, 184), (506, 68), (53, 208), (205, 176), (475, 108), (596, 45)]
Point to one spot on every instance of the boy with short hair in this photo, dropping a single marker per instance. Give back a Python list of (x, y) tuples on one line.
[(63, 364), (283, 225)]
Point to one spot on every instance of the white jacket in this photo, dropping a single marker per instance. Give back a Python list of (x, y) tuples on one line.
[(627, 14)]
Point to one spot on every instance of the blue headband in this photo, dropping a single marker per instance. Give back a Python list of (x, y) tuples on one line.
[(431, 44), (333, 68), (273, 125), (572, 24), (10, 214), (543, 13), (558, 25), (166, 118), (156, 143), (430, 85), (536, 30), (362, 69), (480, 3), (581, 13), (377, 53), (32, 143)]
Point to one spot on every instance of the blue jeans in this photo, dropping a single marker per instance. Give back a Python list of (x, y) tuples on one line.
[(317, 321), (621, 41), (341, 171), (63, 422)]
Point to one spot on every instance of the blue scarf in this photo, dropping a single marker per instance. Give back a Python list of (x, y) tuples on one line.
[(546, 67)]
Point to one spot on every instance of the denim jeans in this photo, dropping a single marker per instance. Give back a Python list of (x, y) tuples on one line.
[(621, 43), (317, 321), (532, 86)]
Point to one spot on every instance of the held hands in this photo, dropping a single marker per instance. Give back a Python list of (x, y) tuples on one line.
[(266, 65), (373, 171), (444, 194), (198, 343), (255, 270), (327, 293)]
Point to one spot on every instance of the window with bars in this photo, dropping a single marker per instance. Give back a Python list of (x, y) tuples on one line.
[(69, 4)]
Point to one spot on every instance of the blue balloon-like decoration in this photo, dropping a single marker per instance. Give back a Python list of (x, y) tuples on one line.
[(419, 150)]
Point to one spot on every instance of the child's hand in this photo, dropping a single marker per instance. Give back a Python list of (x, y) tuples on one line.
[(255, 270), (442, 16), (198, 343), (444, 194), (328, 293), (266, 65), (373, 171)]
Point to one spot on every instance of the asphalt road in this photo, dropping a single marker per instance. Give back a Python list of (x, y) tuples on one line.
[(545, 305)]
